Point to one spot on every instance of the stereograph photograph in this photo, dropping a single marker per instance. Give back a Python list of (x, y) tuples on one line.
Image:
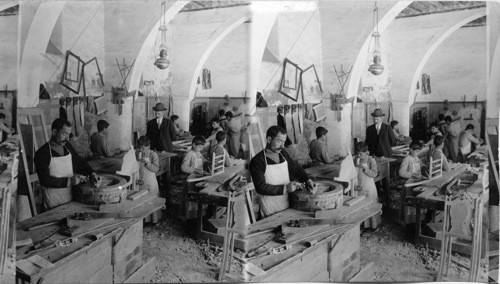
[(154, 141)]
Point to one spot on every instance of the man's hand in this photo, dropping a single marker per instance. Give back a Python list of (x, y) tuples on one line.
[(200, 172), (95, 179), (311, 186), (291, 187), (75, 180)]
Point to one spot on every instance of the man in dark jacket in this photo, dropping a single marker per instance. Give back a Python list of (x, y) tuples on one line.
[(160, 130), (379, 136)]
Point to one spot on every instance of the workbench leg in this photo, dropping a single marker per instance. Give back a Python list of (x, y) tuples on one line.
[(199, 220), (417, 224)]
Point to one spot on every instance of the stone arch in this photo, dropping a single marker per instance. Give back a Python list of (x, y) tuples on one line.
[(142, 56), (36, 43), (359, 64), (8, 5), (434, 46), (233, 24)]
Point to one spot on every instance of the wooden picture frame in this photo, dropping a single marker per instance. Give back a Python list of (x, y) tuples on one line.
[(73, 66), (310, 79), (100, 105), (290, 80), (319, 112), (93, 82)]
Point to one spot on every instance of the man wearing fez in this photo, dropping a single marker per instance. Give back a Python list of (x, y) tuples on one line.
[(160, 130), (379, 136)]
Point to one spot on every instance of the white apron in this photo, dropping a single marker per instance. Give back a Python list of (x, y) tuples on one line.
[(466, 150), (150, 183), (369, 190), (59, 167), (275, 175)]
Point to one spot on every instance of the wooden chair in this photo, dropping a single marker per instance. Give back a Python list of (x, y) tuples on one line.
[(459, 214), (217, 164), (435, 168), (235, 195)]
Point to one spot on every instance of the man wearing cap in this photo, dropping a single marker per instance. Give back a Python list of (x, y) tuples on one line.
[(318, 150), (160, 130), (379, 136)]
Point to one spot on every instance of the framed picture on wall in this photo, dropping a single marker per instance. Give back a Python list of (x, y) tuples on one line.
[(311, 85), (93, 83), (290, 80), (73, 72), (319, 112)]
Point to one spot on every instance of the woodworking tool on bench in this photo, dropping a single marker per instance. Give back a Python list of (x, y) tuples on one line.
[(277, 233), (58, 243), (95, 215)]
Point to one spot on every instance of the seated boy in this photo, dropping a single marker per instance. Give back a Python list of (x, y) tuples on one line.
[(193, 161), (437, 153), (219, 149), (410, 167)]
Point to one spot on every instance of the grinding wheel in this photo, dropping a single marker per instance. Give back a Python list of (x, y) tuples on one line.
[(329, 195), (113, 189)]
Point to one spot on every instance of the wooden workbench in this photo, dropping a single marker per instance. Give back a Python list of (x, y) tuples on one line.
[(428, 200), (334, 258), (114, 258), (114, 164), (330, 171)]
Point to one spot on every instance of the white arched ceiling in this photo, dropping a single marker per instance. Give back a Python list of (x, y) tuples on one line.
[(35, 45), (359, 65), (228, 28), (8, 5), (140, 61), (437, 41)]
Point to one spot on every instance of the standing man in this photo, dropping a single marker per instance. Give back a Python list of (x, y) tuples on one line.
[(271, 170), (99, 144), (233, 134), (160, 130), (453, 136), (56, 163), (379, 136)]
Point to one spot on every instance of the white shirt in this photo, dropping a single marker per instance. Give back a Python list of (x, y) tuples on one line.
[(158, 120), (377, 126)]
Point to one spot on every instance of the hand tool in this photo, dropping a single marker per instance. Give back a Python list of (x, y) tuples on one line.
[(42, 225), (58, 243), (89, 215), (311, 222)]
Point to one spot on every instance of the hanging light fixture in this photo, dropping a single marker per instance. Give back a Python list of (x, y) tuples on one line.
[(376, 68), (163, 62)]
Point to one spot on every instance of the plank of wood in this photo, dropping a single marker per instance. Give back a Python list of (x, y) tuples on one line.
[(366, 274), (24, 242), (27, 267), (39, 261), (492, 253), (342, 211), (302, 232), (87, 225), (253, 269), (144, 274), (137, 195), (353, 201), (126, 205)]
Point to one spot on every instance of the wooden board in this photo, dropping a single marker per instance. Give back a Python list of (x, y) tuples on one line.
[(144, 274), (136, 195), (80, 268), (302, 232), (88, 225), (127, 252), (366, 274), (353, 201)]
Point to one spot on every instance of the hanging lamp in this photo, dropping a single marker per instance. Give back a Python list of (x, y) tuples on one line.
[(162, 62), (376, 68)]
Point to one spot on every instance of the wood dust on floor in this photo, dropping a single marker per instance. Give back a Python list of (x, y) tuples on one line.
[(182, 259)]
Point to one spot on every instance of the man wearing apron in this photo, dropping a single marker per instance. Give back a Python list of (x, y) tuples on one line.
[(466, 140), (271, 170), (56, 163)]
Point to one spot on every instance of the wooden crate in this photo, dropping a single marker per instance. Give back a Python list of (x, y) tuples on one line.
[(127, 252), (79, 269), (344, 256), (337, 260)]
